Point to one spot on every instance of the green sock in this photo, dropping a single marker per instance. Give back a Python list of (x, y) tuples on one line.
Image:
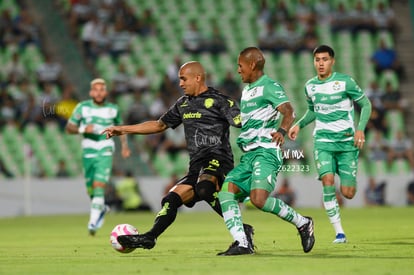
[(232, 217), (284, 211)]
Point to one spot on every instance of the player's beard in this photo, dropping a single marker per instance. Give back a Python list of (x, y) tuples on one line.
[(99, 102)]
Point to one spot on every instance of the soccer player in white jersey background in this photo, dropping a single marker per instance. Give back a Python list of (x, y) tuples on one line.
[(89, 118), (266, 115), (330, 96)]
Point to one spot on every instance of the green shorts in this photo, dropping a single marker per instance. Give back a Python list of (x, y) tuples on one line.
[(257, 169), (96, 169), (344, 163)]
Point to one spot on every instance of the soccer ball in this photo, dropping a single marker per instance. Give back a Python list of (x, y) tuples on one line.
[(122, 229)]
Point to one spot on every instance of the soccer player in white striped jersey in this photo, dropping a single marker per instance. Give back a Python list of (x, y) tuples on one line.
[(266, 115), (89, 118), (330, 96)]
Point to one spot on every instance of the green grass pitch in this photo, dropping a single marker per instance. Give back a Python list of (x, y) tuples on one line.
[(381, 241)]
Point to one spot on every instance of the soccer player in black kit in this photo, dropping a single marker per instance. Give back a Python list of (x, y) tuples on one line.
[(206, 115)]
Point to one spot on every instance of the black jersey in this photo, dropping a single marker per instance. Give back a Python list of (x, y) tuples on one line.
[(206, 120)]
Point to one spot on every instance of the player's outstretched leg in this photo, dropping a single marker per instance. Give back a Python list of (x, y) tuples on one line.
[(332, 209), (306, 235), (232, 217), (287, 213), (165, 217), (340, 238), (97, 215), (235, 248), (137, 241)]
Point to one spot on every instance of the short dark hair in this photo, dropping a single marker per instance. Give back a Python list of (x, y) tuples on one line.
[(324, 49), (254, 54)]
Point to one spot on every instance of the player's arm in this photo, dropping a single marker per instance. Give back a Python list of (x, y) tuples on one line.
[(231, 111), (366, 109), (82, 129), (306, 119), (288, 114), (74, 124), (144, 128), (355, 93), (359, 137), (124, 146), (72, 128)]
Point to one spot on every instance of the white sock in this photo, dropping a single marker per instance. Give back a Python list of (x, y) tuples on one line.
[(97, 205), (236, 230), (332, 208)]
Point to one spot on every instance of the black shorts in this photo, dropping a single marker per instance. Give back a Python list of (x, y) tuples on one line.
[(211, 165)]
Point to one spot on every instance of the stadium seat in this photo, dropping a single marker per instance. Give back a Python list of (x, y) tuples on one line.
[(163, 165), (395, 119), (389, 76), (181, 163)]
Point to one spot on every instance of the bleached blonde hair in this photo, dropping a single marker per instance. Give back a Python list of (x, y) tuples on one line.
[(98, 81)]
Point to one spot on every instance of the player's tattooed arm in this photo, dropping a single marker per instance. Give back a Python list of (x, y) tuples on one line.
[(288, 114)]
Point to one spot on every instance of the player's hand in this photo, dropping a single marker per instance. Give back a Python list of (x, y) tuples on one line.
[(125, 152), (89, 129), (278, 138), (293, 132), (359, 139), (112, 131)]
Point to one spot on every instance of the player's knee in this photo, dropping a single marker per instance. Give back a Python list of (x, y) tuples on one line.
[(348, 195), (348, 192), (205, 190), (258, 199)]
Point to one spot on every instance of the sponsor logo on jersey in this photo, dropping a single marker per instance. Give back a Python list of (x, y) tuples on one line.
[(324, 107), (251, 104), (192, 115)]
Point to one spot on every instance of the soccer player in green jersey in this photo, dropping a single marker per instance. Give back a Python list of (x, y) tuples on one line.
[(89, 118), (330, 96), (263, 102)]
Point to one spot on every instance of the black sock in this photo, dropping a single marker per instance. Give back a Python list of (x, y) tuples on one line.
[(206, 191), (170, 203)]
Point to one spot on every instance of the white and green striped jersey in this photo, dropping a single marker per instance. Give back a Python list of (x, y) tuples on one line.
[(101, 117), (332, 102), (259, 114)]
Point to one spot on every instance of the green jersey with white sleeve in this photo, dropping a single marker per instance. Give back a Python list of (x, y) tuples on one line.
[(332, 102), (101, 117), (259, 115)]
